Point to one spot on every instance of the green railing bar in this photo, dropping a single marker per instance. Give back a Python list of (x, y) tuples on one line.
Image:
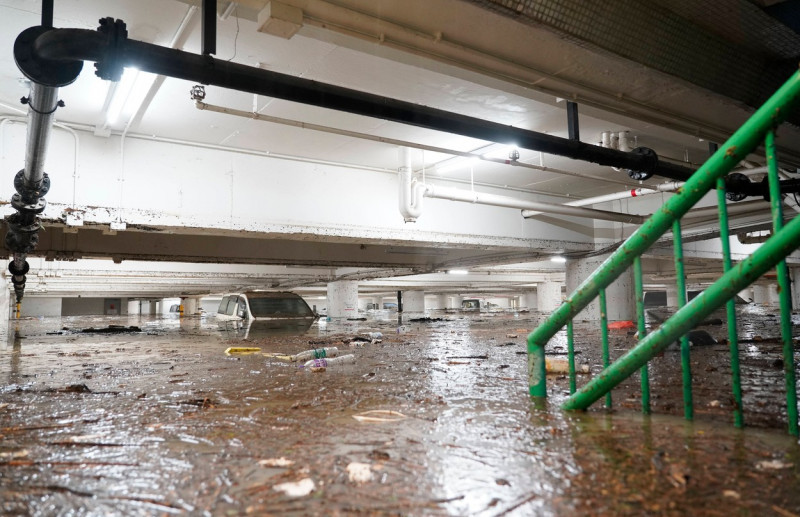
[(784, 293), (642, 328), (571, 357), (746, 272), (680, 281), (730, 307), (747, 138), (604, 337)]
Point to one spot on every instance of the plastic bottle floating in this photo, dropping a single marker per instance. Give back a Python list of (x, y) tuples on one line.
[(324, 363), (316, 353)]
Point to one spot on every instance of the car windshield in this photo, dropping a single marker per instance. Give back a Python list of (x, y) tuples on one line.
[(280, 308)]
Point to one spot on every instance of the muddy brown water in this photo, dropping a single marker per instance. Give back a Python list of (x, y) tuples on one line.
[(162, 422)]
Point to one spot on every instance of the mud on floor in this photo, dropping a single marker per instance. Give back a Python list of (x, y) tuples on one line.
[(162, 422)]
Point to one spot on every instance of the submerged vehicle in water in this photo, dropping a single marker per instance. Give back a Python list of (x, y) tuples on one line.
[(256, 313), (258, 305)]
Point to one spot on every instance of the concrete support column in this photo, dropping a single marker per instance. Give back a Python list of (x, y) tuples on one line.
[(760, 294), (343, 299), (794, 275), (190, 306), (620, 295), (5, 308), (672, 296), (772, 294), (413, 301), (441, 302), (153, 309), (134, 307), (548, 296), (529, 301)]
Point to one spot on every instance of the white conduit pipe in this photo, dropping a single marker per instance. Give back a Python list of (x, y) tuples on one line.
[(510, 202), (637, 192), (411, 191)]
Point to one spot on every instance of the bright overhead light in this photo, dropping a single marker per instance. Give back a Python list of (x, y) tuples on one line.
[(506, 152), (458, 272), (129, 94), (559, 260)]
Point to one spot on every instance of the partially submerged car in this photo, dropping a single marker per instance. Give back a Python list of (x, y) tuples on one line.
[(256, 305)]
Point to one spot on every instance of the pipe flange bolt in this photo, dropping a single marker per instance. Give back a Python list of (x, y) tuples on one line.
[(28, 208), (111, 66), (47, 72), (28, 192)]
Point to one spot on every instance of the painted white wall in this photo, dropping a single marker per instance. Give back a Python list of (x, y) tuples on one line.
[(36, 306), (208, 304), (413, 301), (81, 306)]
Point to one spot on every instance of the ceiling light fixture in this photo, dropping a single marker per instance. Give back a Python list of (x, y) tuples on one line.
[(558, 260), (458, 272), (129, 94)]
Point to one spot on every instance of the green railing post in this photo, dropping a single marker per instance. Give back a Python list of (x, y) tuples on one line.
[(537, 378), (642, 328), (747, 138), (784, 288), (730, 307), (604, 336), (680, 280), (571, 357), (744, 274)]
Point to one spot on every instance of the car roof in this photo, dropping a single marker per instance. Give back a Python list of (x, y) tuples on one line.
[(266, 294)]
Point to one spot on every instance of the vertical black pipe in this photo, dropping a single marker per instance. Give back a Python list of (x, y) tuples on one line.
[(572, 121), (208, 30), (47, 13), (399, 301)]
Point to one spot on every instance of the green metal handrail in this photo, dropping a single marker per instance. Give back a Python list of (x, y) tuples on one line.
[(707, 177)]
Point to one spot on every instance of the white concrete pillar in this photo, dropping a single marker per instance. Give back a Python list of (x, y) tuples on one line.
[(620, 295), (5, 308), (772, 294), (190, 306), (441, 302), (672, 296), (548, 296), (794, 275), (153, 309), (529, 301), (760, 294), (413, 301), (343, 299), (134, 307)]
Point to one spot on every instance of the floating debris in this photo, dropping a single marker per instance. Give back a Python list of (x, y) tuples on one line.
[(359, 472), (276, 462), (380, 415), (242, 350), (297, 488), (111, 329), (425, 320)]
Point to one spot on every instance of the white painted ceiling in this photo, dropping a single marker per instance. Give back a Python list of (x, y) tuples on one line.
[(172, 114)]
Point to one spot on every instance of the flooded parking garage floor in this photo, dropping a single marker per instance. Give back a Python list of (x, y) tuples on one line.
[(433, 420)]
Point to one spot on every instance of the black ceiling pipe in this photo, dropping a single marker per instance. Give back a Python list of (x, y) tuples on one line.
[(111, 51)]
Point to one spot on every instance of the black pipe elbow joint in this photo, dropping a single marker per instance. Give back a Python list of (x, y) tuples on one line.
[(650, 159), (47, 72)]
